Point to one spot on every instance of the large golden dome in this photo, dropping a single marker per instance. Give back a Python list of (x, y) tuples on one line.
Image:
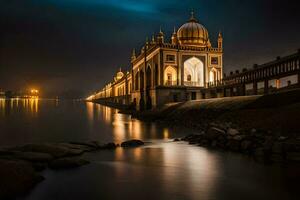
[(193, 33)]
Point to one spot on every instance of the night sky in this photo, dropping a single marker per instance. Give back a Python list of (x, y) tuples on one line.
[(72, 47)]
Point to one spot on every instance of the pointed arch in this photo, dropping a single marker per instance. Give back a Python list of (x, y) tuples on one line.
[(194, 72), (170, 76)]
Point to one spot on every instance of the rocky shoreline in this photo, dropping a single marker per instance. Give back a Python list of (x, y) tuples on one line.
[(20, 166), (262, 146), (265, 127)]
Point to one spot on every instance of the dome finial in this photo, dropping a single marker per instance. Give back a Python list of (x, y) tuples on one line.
[(192, 18)]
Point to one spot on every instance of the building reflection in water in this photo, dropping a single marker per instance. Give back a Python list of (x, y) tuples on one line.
[(123, 127), (30, 104), (202, 169)]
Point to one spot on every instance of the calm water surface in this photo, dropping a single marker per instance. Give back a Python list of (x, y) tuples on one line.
[(160, 170)]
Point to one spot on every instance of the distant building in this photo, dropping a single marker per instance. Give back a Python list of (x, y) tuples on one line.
[(2, 94), (167, 71)]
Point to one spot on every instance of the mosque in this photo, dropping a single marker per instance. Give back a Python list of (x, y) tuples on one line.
[(168, 71)]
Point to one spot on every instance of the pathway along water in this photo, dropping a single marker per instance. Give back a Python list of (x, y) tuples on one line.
[(160, 170)]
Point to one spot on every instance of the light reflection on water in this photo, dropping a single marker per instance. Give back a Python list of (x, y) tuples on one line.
[(167, 170), (31, 105), (159, 170), (41, 120)]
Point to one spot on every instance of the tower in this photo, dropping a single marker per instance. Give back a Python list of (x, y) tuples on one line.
[(174, 37), (133, 56), (220, 40), (160, 37)]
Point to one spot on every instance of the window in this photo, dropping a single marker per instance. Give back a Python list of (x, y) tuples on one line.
[(170, 58), (214, 61), (189, 78), (169, 77)]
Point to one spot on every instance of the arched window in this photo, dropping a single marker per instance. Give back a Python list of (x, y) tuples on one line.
[(194, 72), (170, 76), (136, 80)]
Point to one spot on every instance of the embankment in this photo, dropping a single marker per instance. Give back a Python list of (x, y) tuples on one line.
[(277, 113)]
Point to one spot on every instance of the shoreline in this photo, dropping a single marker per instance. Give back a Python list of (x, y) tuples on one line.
[(21, 166), (265, 127)]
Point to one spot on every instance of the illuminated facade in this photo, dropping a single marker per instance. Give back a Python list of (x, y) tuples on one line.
[(164, 72)]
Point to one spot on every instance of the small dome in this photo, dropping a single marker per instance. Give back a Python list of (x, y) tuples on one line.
[(193, 33), (119, 75)]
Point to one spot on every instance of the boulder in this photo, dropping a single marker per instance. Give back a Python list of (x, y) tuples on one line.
[(232, 132), (213, 133), (238, 137), (132, 143), (34, 156), (66, 163), (193, 137), (277, 148), (91, 144), (259, 152), (282, 138), (55, 150), (276, 158), (293, 156), (246, 145), (17, 178), (233, 145)]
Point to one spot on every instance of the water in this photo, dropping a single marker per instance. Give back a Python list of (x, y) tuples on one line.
[(159, 170), (32, 120)]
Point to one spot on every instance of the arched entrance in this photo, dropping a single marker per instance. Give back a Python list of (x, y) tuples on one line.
[(213, 76), (148, 87), (194, 72), (170, 76), (148, 77)]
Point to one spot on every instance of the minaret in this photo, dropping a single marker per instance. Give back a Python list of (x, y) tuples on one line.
[(152, 39), (147, 43), (208, 43), (160, 37), (220, 40), (133, 56), (174, 37)]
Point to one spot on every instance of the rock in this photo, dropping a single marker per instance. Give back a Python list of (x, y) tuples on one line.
[(65, 163), (282, 138), (34, 156), (253, 131), (213, 133), (77, 147), (193, 137), (232, 132), (92, 144), (39, 166), (55, 150), (204, 142), (238, 137), (246, 145), (233, 145), (293, 156), (277, 148), (17, 178), (108, 146), (176, 140), (268, 143), (259, 152), (292, 146), (276, 158), (214, 143), (132, 143)]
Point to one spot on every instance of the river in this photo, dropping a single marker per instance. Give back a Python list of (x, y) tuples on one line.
[(162, 169)]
